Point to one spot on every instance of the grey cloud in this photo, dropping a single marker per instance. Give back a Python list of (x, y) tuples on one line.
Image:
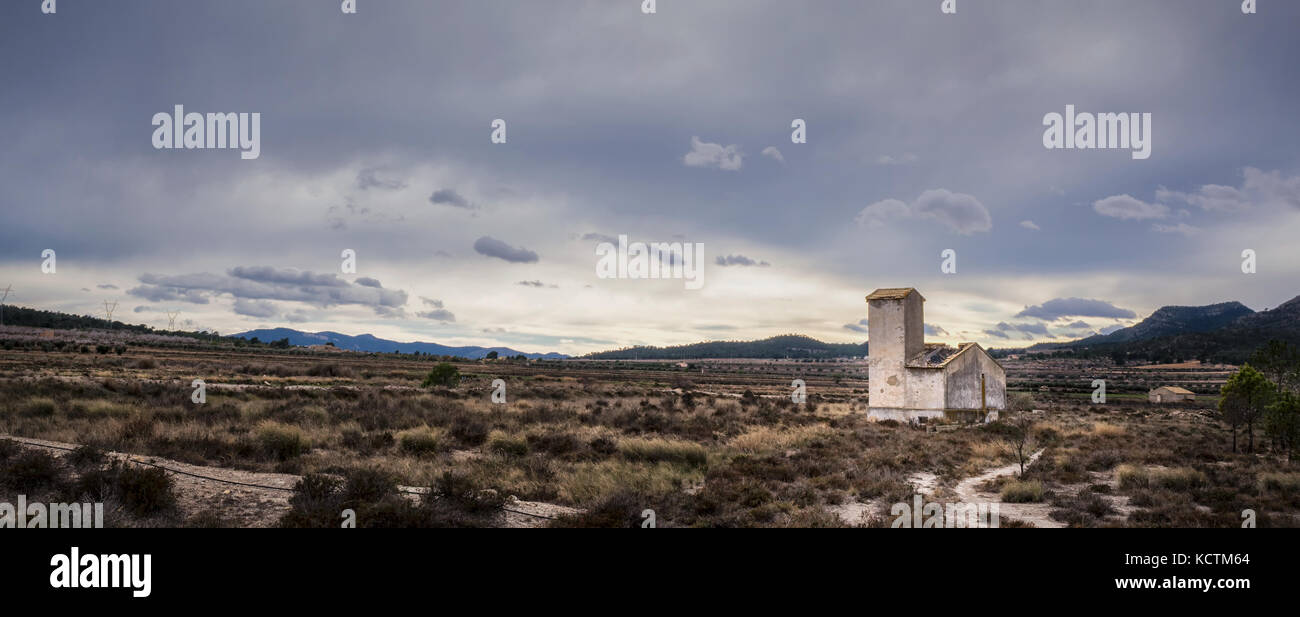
[(1026, 331), (861, 326), (599, 237), (286, 276), (264, 283), (437, 315), (934, 330), (492, 247), (449, 197), (1058, 308), (255, 308), (368, 282), (368, 179), (107, 286), (739, 260), (168, 294), (435, 303)]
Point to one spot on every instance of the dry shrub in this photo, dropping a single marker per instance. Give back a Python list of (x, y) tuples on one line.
[(1023, 492), (664, 450)]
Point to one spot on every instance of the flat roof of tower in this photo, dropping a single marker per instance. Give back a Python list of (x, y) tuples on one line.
[(892, 293)]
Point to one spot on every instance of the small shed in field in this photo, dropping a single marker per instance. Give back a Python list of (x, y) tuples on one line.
[(1170, 394)]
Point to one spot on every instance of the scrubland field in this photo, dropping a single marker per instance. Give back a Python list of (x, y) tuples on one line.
[(290, 438)]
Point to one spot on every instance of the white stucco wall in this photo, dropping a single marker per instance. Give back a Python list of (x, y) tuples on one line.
[(962, 375), (925, 388), (895, 331)]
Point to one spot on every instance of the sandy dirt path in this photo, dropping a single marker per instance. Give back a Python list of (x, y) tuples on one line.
[(968, 491)]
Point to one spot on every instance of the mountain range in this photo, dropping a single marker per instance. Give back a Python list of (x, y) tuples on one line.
[(1170, 320), (784, 346), (1225, 332), (369, 342)]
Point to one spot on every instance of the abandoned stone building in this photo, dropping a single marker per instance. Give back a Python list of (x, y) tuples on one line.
[(1170, 394), (910, 380)]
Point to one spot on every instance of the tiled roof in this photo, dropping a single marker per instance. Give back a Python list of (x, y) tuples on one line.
[(890, 293)]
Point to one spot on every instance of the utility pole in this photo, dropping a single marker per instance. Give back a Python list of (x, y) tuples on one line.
[(171, 319), (2, 301), (108, 311)]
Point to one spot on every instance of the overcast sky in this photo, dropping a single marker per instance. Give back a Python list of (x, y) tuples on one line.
[(924, 133)]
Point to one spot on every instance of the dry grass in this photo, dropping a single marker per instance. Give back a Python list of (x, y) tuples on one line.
[(1280, 482), (777, 439), (1103, 429), (614, 442), (1022, 492)]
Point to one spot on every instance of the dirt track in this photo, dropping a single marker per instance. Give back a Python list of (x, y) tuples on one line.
[(254, 499)]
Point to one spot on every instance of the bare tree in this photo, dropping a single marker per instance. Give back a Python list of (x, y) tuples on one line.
[(1017, 429)]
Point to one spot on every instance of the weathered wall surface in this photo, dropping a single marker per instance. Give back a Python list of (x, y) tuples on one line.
[(886, 348), (925, 388), (963, 381), (914, 333)]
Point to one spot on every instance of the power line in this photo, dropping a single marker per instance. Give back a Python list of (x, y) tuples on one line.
[(2, 305)]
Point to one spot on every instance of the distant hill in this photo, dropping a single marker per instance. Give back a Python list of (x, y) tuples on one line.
[(369, 342), (785, 346), (1172, 320), (1226, 332), (12, 315)]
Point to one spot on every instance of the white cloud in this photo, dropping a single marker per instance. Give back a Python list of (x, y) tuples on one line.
[(1028, 224), (876, 215), (959, 212), (1258, 188), (886, 159), (1181, 228), (1127, 207), (774, 153), (705, 154)]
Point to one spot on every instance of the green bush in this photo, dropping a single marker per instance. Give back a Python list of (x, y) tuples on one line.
[(330, 369), (39, 407), (506, 445), (8, 448), (31, 471), (145, 491), (282, 441), (444, 374)]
